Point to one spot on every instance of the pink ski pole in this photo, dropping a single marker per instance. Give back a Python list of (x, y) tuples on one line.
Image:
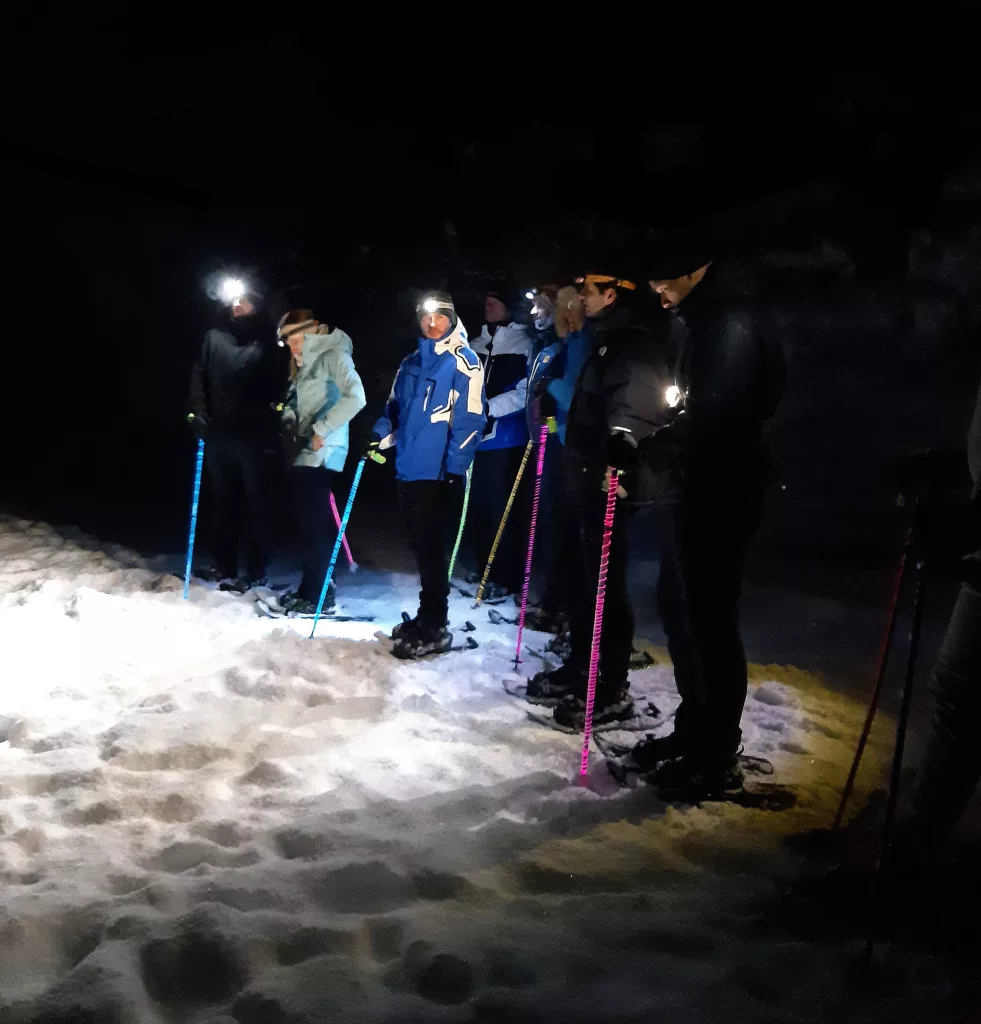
[(347, 548), (542, 441), (594, 655)]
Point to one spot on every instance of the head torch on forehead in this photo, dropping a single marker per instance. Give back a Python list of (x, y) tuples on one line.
[(607, 279), (232, 290), (431, 305)]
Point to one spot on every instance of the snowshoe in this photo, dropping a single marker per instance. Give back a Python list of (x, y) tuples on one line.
[(642, 719), (243, 584), (271, 609), (549, 687), (497, 618), (407, 626), (610, 708), (680, 781), (422, 641), (296, 604), (495, 591)]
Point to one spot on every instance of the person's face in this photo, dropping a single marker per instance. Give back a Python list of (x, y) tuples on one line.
[(435, 325), (673, 292), (295, 342), (594, 300), (242, 307), (494, 310)]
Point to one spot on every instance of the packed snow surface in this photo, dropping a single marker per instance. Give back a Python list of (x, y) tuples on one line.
[(206, 815)]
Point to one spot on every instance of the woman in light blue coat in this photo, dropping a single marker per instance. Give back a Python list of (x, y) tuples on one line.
[(325, 394)]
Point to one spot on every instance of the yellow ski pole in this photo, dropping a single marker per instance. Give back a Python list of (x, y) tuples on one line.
[(504, 522)]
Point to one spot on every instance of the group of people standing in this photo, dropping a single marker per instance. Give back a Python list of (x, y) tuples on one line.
[(676, 405)]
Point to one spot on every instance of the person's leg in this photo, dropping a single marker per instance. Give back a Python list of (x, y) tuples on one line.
[(479, 533), (317, 528), (549, 530), (226, 486), (952, 765), (423, 506), (712, 557), (256, 463)]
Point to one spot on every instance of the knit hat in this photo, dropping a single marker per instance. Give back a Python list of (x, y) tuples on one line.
[(501, 296), (436, 302)]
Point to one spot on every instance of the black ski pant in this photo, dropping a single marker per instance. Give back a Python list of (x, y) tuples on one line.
[(493, 478), (426, 505), (952, 766), (556, 536), (586, 504), (318, 532), (241, 471), (705, 535)]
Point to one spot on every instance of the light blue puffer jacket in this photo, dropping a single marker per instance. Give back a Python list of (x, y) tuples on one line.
[(326, 395)]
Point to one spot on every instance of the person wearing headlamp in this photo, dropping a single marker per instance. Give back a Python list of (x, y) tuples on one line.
[(618, 404), (237, 380), (730, 373), (434, 418)]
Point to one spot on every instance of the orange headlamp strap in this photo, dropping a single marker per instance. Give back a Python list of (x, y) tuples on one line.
[(609, 279)]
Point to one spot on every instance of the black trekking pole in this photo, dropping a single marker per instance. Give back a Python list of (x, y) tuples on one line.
[(880, 675), (897, 757)]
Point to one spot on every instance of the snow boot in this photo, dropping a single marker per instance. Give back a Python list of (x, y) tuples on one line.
[(560, 646), (613, 704), (495, 591), (548, 688), (652, 750), (541, 621), (295, 603), (690, 780), (212, 574), (421, 641)]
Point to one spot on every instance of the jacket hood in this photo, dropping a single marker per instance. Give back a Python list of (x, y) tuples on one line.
[(456, 337), (322, 339)]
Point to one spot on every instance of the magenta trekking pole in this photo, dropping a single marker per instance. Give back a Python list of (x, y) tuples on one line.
[(542, 441), (594, 654), (347, 547)]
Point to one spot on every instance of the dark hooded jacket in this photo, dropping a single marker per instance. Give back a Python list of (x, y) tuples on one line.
[(238, 378), (732, 377), (621, 388)]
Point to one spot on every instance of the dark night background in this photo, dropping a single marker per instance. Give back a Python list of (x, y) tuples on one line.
[(850, 189)]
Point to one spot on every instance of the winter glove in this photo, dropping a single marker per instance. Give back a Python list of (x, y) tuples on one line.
[(621, 451), (373, 451), (198, 422)]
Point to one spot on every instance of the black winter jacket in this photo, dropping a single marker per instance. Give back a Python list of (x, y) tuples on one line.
[(238, 377), (732, 377), (621, 388)]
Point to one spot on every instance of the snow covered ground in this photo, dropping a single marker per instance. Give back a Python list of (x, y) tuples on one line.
[(206, 816)]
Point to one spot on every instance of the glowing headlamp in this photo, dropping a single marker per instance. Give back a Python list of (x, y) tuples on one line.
[(232, 290), (673, 396), (430, 306), (530, 295)]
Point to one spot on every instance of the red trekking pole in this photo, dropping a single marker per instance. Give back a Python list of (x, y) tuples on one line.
[(594, 655)]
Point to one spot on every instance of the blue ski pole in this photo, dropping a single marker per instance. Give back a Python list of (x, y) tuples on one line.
[(375, 456), (198, 466)]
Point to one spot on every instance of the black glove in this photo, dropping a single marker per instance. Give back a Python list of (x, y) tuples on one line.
[(455, 479), (547, 406), (621, 451), (198, 422)]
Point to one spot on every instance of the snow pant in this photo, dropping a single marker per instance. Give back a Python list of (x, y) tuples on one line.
[(312, 487), (425, 507), (705, 535), (552, 535), (585, 503), (493, 478), (241, 472), (952, 766)]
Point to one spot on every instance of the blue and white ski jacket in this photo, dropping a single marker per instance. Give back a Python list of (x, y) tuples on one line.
[(436, 413), (506, 358)]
